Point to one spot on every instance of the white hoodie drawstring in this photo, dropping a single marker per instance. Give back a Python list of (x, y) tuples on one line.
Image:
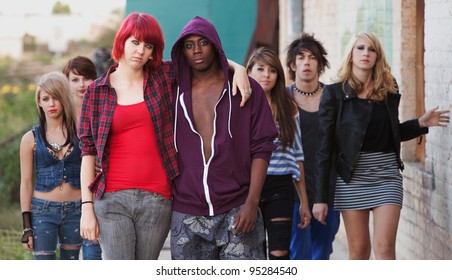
[(230, 110), (175, 119), (176, 115)]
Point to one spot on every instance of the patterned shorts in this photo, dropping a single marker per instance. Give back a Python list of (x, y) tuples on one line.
[(211, 238)]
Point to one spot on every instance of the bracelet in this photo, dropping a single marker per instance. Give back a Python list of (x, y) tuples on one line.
[(27, 230), (88, 201)]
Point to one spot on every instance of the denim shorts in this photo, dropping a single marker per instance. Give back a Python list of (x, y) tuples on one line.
[(55, 224)]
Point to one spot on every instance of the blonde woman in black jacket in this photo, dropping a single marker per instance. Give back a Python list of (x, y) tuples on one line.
[(360, 136)]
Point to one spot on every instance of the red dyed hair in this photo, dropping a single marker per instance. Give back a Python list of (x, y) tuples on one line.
[(145, 28)]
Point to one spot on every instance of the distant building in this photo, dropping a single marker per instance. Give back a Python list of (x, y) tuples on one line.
[(53, 31)]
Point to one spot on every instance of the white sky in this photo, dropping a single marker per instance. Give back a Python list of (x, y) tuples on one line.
[(44, 7)]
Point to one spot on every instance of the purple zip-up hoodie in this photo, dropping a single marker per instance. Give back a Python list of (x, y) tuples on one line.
[(221, 183)]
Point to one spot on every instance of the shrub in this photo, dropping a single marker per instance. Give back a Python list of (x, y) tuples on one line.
[(18, 113), (10, 171), (18, 110)]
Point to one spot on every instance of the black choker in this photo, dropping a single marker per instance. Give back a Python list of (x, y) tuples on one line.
[(319, 85)]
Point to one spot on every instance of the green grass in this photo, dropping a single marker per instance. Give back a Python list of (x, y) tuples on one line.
[(10, 246), (10, 172), (10, 233), (11, 217)]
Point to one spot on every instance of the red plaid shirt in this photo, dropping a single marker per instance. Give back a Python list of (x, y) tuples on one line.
[(99, 105)]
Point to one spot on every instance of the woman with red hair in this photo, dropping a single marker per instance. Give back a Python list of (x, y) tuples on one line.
[(126, 121)]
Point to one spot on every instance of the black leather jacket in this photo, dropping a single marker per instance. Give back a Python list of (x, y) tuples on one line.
[(343, 120)]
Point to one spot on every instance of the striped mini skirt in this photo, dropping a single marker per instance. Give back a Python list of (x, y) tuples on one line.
[(376, 181)]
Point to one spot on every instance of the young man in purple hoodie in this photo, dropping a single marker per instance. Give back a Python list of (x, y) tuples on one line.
[(223, 152)]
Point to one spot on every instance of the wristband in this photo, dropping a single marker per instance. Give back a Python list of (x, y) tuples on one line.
[(27, 230), (88, 201), (26, 219)]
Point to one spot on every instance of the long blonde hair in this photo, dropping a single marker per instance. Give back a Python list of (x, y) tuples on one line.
[(56, 84), (382, 78)]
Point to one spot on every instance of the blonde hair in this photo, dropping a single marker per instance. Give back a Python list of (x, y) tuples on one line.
[(382, 78), (56, 84)]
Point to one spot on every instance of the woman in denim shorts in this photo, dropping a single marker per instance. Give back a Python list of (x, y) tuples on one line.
[(50, 203), (81, 72)]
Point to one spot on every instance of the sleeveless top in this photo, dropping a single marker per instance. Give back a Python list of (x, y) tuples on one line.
[(52, 172), (134, 156)]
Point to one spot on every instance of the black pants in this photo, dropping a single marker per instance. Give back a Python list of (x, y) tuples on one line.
[(277, 199)]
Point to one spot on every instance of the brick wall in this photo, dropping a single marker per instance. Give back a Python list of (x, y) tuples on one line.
[(425, 227), (437, 180)]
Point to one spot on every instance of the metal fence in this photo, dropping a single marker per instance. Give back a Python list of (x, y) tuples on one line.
[(10, 246)]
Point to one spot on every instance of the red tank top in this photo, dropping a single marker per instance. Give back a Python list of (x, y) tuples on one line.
[(135, 161)]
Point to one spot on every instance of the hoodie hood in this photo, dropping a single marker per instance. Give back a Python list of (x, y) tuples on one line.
[(201, 27)]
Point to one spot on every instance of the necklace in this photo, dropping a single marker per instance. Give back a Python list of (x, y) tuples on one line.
[(305, 93), (55, 146)]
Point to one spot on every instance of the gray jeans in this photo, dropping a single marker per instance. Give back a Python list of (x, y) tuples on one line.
[(133, 224)]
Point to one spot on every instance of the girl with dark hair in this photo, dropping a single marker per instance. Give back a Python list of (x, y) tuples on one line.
[(81, 72), (286, 162)]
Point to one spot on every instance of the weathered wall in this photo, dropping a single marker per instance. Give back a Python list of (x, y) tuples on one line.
[(234, 20)]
